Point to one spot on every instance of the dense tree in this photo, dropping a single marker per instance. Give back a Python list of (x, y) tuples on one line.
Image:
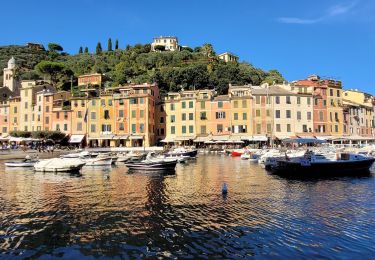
[(56, 136), (53, 47), (54, 70), (98, 48), (187, 49), (159, 48), (171, 70), (273, 77), (80, 50), (86, 50), (116, 44), (207, 50), (24, 134), (109, 44)]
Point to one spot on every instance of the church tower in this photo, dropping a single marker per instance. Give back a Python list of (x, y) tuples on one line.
[(8, 76)]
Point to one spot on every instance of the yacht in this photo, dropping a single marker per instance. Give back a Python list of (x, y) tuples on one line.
[(313, 163)]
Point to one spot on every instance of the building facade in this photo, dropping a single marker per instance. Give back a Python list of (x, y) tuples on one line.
[(170, 43)]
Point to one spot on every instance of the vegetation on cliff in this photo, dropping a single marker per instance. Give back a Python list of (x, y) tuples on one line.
[(189, 68)]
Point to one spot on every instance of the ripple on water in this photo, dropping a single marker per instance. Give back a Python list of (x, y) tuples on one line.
[(185, 215)]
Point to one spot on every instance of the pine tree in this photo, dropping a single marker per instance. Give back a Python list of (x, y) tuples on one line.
[(109, 44), (80, 50), (98, 48), (86, 50), (116, 45)]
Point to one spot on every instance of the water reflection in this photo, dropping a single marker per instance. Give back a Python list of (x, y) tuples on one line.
[(114, 212)]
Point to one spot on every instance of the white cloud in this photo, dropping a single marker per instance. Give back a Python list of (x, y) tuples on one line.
[(340, 9), (297, 20)]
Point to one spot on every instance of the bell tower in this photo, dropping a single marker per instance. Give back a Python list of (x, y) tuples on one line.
[(8, 76)]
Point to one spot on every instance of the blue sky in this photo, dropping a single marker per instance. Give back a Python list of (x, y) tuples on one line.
[(330, 38)]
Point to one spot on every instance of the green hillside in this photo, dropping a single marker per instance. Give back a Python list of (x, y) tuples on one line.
[(198, 68)]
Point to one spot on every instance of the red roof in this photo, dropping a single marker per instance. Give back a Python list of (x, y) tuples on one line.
[(306, 82)]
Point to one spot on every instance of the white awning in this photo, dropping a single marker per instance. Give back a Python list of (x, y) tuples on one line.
[(76, 139), (260, 138), (136, 137), (202, 139), (168, 140), (22, 139), (220, 137), (184, 138), (4, 137), (235, 138), (328, 137), (281, 137), (16, 139), (120, 137)]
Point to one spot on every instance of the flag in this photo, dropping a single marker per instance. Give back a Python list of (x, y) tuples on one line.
[(85, 118)]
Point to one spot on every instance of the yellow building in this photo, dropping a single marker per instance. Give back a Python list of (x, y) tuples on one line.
[(335, 111), (203, 113), (361, 112), (241, 112), (14, 113), (228, 57), (180, 109), (26, 106)]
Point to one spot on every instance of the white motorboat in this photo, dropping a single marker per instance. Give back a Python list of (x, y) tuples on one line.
[(76, 155), (270, 158), (181, 151), (124, 157), (98, 161), (59, 165), (27, 162)]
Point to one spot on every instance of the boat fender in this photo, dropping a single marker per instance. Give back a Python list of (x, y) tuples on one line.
[(224, 189)]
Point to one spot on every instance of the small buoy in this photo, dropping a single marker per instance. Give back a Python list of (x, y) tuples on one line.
[(224, 190)]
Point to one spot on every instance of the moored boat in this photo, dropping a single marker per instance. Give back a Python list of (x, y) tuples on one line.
[(237, 152), (181, 151), (27, 162), (152, 163), (59, 165), (98, 161), (313, 164)]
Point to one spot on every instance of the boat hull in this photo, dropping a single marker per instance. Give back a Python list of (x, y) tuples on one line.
[(236, 154), (192, 153), (152, 166), (19, 164), (322, 168), (62, 169), (98, 162)]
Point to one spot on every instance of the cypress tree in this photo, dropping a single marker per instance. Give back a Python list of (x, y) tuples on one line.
[(80, 50), (98, 48), (116, 45), (109, 44), (86, 50)]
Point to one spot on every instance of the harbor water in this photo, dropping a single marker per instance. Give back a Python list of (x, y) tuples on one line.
[(109, 212)]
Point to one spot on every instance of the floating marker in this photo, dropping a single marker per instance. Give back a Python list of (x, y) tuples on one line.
[(224, 190)]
